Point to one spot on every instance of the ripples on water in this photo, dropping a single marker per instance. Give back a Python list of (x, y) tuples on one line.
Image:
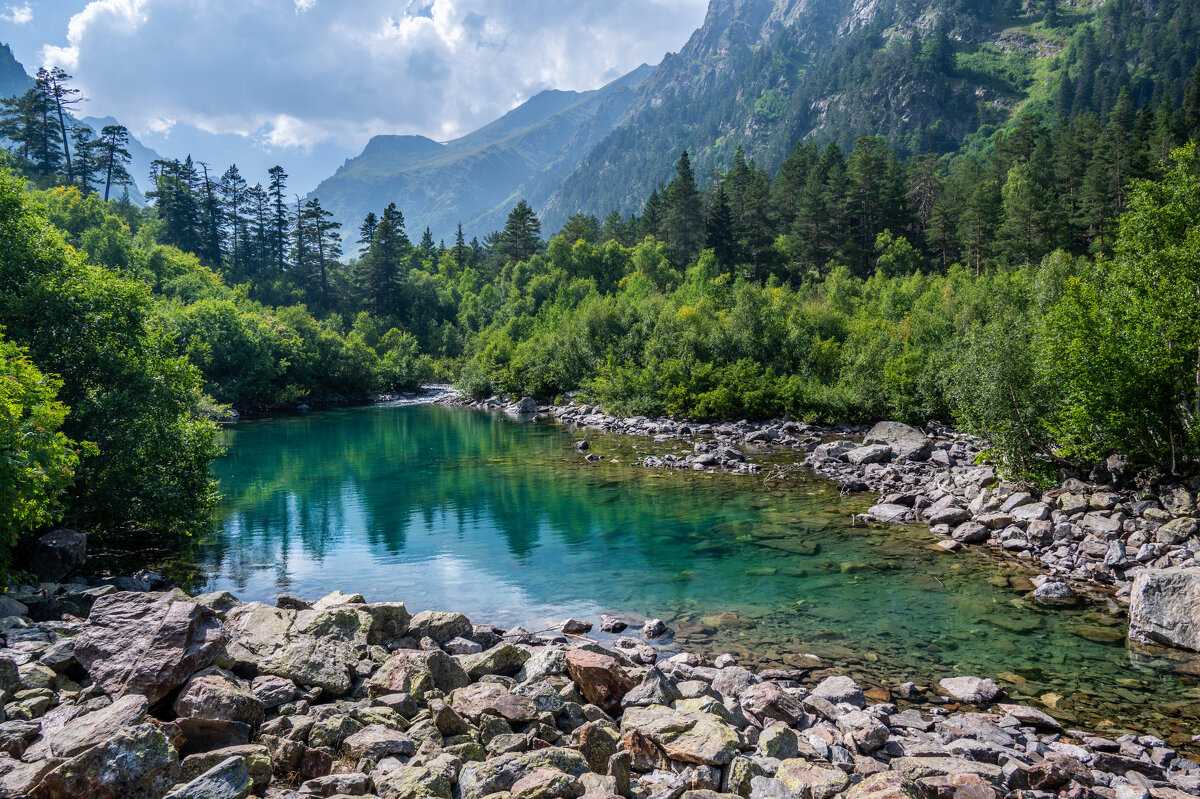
[(447, 508)]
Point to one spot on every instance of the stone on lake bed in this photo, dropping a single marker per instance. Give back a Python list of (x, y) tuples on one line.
[(1055, 592), (654, 628), (890, 513), (974, 690), (611, 624)]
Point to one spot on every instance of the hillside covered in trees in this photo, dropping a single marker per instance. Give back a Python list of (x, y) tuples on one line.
[(1035, 284)]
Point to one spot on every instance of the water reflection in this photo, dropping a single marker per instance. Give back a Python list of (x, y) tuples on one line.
[(447, 508)]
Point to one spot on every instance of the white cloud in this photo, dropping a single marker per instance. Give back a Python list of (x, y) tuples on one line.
[(97, 19), (346, 70), (17, 15)]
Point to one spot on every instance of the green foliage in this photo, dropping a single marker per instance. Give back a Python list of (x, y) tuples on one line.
[(1123, 342), (129, 393), (37, 461)]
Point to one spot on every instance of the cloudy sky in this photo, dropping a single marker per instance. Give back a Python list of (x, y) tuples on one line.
[(305, 83)]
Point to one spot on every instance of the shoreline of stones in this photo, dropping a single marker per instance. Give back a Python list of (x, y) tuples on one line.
[(1086, 537), (113, 691)]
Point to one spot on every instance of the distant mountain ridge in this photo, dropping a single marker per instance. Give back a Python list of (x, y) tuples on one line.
[(476, 179), (762, 75)]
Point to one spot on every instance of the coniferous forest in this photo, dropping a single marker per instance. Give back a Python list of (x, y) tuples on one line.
[(1035, 283)]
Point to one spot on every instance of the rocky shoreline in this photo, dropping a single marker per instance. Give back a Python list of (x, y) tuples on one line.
[(1086, 536), (110, 690)]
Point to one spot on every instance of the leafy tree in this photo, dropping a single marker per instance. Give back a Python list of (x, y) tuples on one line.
[(128, 392), (37, 461)]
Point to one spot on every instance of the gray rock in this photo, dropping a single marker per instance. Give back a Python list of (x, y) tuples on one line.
[(970, 533), (903, 441), (874, 453), (654, 628), (839, 689), (974, 690), (229, 779), (308, 647), (273, 691), (1164, 608), (84, 731), (216, 694), (439, 626), (1101, 525), (1177, 531), (135, 763), (886, 512), (524, 405), (136, 644), (1055, 592), (656, 688), (951, 515)]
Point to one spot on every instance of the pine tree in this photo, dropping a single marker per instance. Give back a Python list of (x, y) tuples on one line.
[(389, 252), (366, 233), (233, 199), (428, 248), (461, 250), (59, 95), (86, 162), (280, 219), (521, 237), (113, 157), (719, 233), (682, 225), (211, 236), (174, 196), (317, 249)]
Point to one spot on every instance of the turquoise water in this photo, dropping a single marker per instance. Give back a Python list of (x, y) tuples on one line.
[(448, 508)]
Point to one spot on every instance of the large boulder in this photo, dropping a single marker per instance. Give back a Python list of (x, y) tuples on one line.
[(308, 647), (134, 643), (58, 554), (492, 699), (600, 678), (688, 737), (905, 441), (1164, 608), (216, 694), (229, 779), (416, 672), (78, 734), (973, 690), (439, 625), (503, 772), (135, 763)]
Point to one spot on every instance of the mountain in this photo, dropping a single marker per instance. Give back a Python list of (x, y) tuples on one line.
[(13, 78), (763, 75), (477, 179)]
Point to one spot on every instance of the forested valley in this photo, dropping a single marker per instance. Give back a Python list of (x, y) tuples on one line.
[(1036, 284)]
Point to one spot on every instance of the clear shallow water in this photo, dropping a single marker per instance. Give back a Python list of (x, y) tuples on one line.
[(447, 508)]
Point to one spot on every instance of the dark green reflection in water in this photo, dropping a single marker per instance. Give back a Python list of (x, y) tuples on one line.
[(454, 509)]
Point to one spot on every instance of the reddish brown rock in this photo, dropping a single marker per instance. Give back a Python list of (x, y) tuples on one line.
[(600, 678)]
